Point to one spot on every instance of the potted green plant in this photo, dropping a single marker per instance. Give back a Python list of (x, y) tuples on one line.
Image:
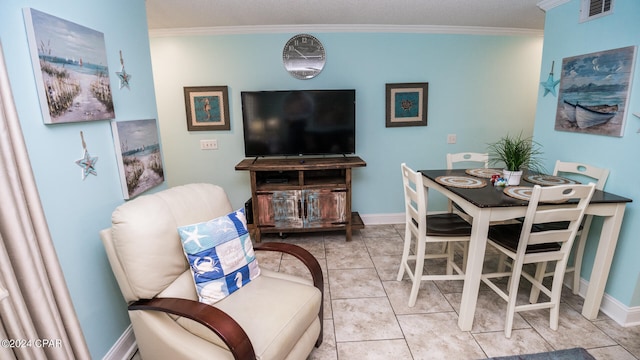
[(516, 153)]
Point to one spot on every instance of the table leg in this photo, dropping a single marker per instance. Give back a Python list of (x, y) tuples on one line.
[(475, 261), (602, 262)]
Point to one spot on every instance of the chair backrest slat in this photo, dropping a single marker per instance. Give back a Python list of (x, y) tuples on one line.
[(551, 236), (415, 198), (554, 215), (467, 157), (600, 175)]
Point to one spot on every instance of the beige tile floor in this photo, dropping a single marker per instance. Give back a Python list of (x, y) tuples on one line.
[(366, 314)]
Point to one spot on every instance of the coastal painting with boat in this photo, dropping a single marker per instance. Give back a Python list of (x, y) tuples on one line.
[(594, 92), (70, 66)]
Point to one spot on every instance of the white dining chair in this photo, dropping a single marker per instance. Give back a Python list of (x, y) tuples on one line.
[(468, 159), (481, 159), (526, 243), (465, 160), (434, 228), (585, 173)]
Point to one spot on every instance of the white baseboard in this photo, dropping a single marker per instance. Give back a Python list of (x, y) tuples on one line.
[(124, 348), (623, 315), (618, 312), (382, 219), (633, 317)]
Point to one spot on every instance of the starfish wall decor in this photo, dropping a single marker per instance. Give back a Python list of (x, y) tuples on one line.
[(550, 84), (123, 75), (88, 162)]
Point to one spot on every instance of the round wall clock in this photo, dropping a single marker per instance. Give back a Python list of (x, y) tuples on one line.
[(303, 56)]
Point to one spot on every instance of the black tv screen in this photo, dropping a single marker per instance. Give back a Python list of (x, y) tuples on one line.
[(299, 122)]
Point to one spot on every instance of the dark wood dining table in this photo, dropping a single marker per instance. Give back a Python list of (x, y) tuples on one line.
[(489, 204)]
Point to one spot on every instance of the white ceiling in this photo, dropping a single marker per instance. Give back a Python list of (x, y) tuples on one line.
[(186, 14)]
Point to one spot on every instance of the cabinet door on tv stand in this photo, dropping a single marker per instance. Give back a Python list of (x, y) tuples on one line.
[(325, 208), (279, 209)]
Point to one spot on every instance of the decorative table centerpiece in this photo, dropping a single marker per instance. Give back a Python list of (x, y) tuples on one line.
[(516, 153)]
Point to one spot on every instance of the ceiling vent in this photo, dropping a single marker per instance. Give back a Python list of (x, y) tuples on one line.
[(593, 9)]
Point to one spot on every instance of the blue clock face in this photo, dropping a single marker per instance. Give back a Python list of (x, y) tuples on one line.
[(303, 56)]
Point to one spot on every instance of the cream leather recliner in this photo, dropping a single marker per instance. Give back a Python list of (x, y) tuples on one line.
[(275, 316)]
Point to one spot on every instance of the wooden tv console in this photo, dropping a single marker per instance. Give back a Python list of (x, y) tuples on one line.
[(302, 194)]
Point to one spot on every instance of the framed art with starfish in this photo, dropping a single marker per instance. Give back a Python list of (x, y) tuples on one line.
[(406, 104)]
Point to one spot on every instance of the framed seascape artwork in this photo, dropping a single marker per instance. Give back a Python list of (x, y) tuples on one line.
[(138, 154), (70, 67), (207, 108), (594, 92), (406, 104)]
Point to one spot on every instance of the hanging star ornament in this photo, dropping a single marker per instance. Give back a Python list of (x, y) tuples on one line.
[(124, 78), (550, 84), (123, 75), (88, 162)]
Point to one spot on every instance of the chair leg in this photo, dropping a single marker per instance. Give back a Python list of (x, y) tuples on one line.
[(405, 253), (541, 269), (514, 283), (502, 258), (417, 272), (450, 256), (465, 251), (556, 291)]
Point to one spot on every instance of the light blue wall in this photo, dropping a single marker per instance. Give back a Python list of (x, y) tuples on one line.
[(566, 37), (75, 209), (480, 87)]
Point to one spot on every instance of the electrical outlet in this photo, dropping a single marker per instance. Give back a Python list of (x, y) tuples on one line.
[(211, 144), (451, 139)]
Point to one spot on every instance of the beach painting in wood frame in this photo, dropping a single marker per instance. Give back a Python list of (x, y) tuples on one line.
[(70, 68), (594, 92), (137, 145)]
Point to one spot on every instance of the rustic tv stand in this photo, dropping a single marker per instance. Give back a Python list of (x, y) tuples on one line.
[(302, 194)]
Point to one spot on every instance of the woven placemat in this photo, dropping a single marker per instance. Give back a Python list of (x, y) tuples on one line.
[(519, 192), (461, 182), (524, 193), (483, 173), (549, 180)]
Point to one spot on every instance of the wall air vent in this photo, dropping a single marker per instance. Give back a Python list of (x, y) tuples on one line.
[(592, 9)]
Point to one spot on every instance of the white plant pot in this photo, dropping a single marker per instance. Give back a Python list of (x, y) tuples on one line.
[(513, 177)]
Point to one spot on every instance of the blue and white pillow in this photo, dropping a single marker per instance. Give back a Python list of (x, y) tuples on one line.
[(220, 254)]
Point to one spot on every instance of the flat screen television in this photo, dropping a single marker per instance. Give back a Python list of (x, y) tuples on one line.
[(299, 122)]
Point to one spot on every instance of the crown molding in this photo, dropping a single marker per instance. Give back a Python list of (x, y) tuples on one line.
[(363, 28), (546, 5)]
